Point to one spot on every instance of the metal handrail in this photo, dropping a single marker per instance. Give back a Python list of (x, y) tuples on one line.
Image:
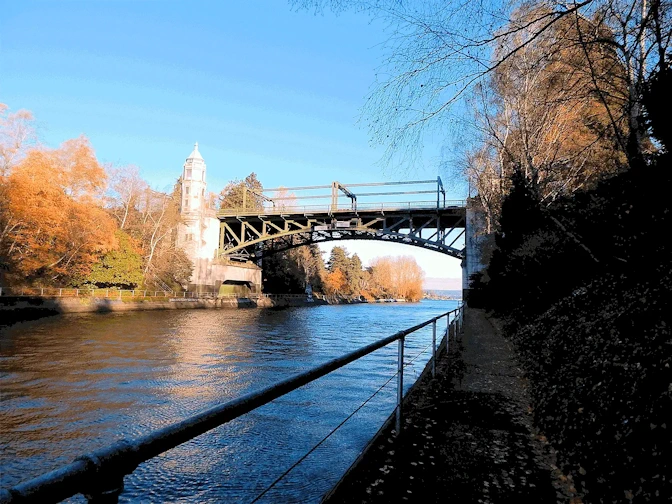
[(99, 475), (361, 207)]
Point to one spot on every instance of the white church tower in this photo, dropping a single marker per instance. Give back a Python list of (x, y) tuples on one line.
[(193, 183), (198, 235), (193, 236)]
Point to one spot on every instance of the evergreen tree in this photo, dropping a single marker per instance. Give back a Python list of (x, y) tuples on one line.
[(290, 271), (354, 274), (338, 259)]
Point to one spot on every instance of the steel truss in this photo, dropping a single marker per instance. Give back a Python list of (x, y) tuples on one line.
[(254, 236)]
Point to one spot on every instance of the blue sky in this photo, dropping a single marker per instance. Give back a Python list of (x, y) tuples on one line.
[(261, 87)]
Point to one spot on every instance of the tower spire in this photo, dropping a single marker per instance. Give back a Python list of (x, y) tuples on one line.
[(195, 154)]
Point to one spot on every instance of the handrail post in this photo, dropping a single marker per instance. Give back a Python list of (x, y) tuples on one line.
[(447, 332), (106, 491), (400, 384), (434, 349)]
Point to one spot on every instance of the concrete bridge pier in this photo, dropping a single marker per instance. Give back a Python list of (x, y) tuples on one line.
[(478, 243)]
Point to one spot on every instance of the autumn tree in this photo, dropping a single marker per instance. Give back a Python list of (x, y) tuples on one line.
[(243, 194), (171, 268), (17, 136), (159, 218), (52, 221), (152, 219), (126, 191), (335, 283), (282, 199), (394, 277), (381, 278), (310, 265), (366, 285), (538, 113), (438, 51), (408, 278)]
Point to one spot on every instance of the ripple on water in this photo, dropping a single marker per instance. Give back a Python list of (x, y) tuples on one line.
[(76, 383)]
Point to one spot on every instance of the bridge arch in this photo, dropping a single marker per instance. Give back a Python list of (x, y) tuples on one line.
[(251, 236)]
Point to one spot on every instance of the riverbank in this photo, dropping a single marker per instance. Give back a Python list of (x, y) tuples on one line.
[(18, 308), (21, 308), (467, 435)]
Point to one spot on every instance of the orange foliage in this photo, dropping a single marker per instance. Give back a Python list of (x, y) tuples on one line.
[(334, 282), (399, 277), (51, 220), (367, 295), (17, 134)]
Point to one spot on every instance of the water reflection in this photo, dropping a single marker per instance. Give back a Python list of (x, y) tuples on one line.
[(71, 384)]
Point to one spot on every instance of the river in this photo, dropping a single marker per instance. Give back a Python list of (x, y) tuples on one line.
[(73, 383)]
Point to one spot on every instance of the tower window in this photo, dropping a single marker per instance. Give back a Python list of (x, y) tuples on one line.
[(188, 176), (186, 190)]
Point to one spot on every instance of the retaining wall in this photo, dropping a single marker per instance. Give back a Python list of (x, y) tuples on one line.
[(19, 308)]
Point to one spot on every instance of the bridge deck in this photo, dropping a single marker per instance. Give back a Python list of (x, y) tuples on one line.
[(455, 212)]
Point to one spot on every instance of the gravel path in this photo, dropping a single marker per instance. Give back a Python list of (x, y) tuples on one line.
[(467, 435)]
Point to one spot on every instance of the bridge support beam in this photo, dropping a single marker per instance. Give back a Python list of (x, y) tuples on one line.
[(249, 236)]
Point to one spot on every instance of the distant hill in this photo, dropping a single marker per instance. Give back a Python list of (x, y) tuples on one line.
[(443, 294), (443, 284)]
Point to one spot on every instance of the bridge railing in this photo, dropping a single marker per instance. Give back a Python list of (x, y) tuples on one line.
[(387, 206), (99, 475)]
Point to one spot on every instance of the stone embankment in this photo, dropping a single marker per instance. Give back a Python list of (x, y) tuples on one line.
[(467, 435), (18, 308)]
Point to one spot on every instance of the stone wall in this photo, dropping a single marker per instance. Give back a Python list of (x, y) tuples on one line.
[(209, 274)]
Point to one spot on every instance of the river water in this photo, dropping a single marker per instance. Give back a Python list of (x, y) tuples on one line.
[(74, 383)]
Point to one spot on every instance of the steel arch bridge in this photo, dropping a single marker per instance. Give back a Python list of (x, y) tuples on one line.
[(248, 234)]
